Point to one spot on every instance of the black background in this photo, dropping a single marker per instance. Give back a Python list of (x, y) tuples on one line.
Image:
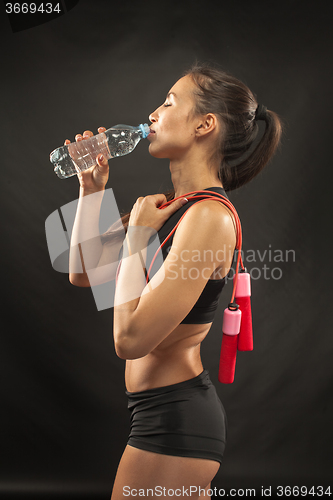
[(64, 420)]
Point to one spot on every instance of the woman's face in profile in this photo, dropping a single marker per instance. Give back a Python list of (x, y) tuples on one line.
[(174, 123)]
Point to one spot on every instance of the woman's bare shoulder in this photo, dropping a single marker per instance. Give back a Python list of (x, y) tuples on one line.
[(210, 216)]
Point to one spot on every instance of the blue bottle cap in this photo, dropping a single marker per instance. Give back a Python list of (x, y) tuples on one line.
[(144, 129)]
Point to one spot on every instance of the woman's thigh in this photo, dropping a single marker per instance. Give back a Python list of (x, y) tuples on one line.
[(145, 470)]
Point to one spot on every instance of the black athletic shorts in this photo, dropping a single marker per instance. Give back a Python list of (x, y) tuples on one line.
[(185, 419)]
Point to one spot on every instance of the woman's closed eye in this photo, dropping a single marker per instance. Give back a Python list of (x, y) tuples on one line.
[(166, 105)]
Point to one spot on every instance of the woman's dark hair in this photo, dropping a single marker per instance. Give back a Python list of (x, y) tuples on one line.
[(235, 106)]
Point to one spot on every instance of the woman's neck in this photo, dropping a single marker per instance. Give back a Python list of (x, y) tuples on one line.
[(192, 176)]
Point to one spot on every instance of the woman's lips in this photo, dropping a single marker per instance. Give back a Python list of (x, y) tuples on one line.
[(152, 132)]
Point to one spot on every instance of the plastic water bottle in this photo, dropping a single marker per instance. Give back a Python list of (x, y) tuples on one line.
[(118, 140)]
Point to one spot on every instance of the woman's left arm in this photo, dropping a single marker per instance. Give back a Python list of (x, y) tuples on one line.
[(145, 314)]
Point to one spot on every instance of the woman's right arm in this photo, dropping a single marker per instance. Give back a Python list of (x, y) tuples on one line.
[(87, 252)]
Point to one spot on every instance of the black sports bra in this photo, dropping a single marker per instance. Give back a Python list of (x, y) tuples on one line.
[(204, 309)]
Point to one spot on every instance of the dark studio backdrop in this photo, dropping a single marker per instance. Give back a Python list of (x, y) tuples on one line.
[(64, 420)]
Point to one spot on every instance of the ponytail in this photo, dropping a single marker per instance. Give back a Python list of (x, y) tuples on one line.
[(237, 110), (235, 176)]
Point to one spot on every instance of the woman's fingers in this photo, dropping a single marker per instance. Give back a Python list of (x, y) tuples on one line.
[(102, 161), (87, 134)]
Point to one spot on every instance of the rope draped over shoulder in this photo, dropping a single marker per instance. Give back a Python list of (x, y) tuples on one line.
[(261, 112)]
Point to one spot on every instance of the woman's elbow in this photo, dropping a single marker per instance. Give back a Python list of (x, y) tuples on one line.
[(80, 280), (122, 353), (126, 349)]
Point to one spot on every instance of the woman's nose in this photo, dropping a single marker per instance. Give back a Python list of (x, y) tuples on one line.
[(153, 117)]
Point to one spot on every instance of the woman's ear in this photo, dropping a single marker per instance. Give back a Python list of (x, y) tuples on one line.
[(207, 124)]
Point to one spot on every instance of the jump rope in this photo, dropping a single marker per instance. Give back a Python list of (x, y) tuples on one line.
[(237, 317)]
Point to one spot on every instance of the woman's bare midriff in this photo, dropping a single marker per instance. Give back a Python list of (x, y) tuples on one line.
[(175, 359)]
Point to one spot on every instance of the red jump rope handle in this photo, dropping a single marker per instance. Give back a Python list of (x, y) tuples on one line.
[(243, 299), (231, 327)]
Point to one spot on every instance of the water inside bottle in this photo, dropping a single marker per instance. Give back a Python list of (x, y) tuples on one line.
[(123, 142)]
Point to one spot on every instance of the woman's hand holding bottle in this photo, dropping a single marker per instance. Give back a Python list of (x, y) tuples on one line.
[(94, 178)]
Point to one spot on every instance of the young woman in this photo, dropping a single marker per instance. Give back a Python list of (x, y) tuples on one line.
[(205, 127)]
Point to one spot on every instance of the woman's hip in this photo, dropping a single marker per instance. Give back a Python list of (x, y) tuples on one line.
[(186, 419)]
